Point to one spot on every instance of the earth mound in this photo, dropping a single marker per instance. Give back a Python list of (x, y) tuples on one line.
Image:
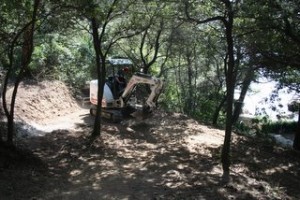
[(43, 101)]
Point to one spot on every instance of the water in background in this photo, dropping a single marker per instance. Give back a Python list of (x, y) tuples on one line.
[(263, 99)]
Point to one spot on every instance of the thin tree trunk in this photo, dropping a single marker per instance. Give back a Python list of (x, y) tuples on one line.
[(188, 102), (147, 64), (296, 144), (182, 85), (230, 73), (27, 50), (217, 111), (178, 83), (230, 85), (100, 62), (245, 86), (97, 124)]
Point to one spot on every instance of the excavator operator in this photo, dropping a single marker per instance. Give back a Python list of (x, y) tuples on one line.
[(120, 79)]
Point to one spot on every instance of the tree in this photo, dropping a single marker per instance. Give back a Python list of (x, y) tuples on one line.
[(107, 15), (296, 144), (24, 36), (101, 15), (294, 106), (150, 46), (227, 19), (100, 63)]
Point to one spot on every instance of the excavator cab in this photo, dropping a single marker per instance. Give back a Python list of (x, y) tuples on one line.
[(118, 70), (119, 82)]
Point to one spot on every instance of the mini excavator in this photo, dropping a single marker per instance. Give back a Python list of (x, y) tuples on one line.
[(119, 99)]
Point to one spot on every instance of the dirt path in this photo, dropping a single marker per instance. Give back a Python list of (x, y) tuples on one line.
[(134, 160), (168, 156), (67, 122)]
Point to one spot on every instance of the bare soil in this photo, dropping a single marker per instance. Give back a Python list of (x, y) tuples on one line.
[(168, 156)]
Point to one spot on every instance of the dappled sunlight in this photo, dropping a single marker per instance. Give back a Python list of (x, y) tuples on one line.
[(127, 160), (194, 141), (264, 165), (145, 160), (75, 172)]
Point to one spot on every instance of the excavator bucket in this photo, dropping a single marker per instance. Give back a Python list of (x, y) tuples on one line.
[(142, 114)]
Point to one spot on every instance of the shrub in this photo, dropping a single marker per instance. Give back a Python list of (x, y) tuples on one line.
[(279, 127)]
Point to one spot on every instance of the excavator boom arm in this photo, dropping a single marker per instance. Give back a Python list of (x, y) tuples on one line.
[(156, 86)]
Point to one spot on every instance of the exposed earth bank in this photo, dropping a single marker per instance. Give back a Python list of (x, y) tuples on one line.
[(168, 156)]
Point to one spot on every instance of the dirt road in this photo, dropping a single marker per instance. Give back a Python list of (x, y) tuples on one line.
[(168, 156)]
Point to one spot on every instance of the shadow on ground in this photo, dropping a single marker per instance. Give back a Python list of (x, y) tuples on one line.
[(146, 160)]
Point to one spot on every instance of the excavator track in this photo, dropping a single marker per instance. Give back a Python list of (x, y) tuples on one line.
[(117, 115), (110, 115)]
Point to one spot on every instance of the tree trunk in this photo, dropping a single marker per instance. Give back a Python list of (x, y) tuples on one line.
[(97, 124), (296, 144), (230, 85), (245, 86), (189, 100), (217, 111), (100, 62), (230, 73), (27, 50), (147, 64)]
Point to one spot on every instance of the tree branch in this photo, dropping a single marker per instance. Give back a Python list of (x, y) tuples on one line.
[(211, 19)]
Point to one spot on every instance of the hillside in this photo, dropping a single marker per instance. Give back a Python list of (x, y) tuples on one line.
[(168, 156)]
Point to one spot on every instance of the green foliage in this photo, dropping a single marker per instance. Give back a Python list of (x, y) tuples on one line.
[(282, 127), (263, 127), (58, 57), (169, 98), (13, 18)]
